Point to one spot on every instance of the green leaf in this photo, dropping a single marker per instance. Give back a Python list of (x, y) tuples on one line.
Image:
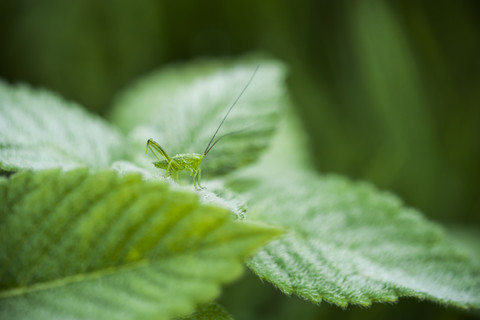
[(348, 243), (180, 107), (40, 130), (209, 312), (102, 246)]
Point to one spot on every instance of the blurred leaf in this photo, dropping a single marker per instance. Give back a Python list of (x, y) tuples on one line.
[(209, 312), (98, 246), (40, 130), (351, 244), (181, 107)]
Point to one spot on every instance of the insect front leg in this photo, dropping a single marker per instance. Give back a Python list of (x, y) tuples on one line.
[(195, 177), (198, 174)]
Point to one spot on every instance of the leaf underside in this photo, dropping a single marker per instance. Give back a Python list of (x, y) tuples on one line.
[(40, 130), (348, 243), (209, 312), (78, 245)]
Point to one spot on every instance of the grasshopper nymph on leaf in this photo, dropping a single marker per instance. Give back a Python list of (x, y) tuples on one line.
[(189, 161)]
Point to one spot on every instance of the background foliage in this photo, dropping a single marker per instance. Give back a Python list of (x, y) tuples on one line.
[(388, 92)]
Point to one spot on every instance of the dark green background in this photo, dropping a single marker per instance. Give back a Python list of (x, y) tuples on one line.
[(389, 91)]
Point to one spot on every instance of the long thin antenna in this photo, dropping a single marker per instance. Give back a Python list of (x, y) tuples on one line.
[(221, 137), (208, 148)]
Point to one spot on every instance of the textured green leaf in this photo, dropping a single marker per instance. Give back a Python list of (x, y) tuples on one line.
[(348, 243), (102, 246), (209, 312), (40, 130), (180, 107)]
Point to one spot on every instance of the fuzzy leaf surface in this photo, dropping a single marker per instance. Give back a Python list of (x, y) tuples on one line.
[(209, 312), (349, 243), (78, 245), (40, 130), (180, 107)]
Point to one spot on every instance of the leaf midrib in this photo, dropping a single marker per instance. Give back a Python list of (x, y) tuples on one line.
[(67, 280)]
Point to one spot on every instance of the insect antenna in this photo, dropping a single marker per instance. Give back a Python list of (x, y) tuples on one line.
[(221, 137), (210, 145)]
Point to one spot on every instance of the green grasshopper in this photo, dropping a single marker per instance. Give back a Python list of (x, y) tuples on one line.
[(190, 161)]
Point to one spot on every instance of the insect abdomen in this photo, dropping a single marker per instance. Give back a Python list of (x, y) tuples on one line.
[(184, 161), (161, 164), (188, 160)]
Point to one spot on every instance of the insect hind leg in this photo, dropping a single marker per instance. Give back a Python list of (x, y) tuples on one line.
[(155, 147), (172, 170)]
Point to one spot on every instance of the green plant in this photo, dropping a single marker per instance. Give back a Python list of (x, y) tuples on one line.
[(90, 228)]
